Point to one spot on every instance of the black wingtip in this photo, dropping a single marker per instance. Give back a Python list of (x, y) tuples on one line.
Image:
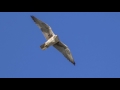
[(32, 16), (74, 63)]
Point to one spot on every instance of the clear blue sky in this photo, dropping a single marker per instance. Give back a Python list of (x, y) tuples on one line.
[(93, 38)]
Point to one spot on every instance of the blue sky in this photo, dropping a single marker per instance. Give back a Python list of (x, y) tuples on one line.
[(93, 38)]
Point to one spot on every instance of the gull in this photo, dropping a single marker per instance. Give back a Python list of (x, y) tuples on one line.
[(52, 40)]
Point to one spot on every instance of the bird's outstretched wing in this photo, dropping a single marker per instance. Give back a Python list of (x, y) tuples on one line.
[(46, 29), (65, 51)]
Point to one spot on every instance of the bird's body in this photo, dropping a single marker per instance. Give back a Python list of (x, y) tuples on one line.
[(53, 40)]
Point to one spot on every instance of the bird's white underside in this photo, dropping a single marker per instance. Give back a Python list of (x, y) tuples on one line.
[(53, 40)]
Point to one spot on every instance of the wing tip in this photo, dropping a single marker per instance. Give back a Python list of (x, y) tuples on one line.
[(32, 16), (73, 63)]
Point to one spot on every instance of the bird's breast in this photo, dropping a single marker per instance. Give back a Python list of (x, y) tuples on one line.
[(54, 39)]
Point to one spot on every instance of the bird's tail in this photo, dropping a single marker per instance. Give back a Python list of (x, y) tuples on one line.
[(43, 46)]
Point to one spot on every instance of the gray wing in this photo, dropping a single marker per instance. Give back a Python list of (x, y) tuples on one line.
[(46, 29), (65, 51)]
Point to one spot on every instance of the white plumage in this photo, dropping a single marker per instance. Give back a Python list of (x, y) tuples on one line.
[(53, 40)]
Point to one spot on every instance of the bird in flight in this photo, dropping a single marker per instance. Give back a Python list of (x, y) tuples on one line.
[(53, 40)]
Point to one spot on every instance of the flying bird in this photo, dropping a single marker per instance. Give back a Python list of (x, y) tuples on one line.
[(53, 40)]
